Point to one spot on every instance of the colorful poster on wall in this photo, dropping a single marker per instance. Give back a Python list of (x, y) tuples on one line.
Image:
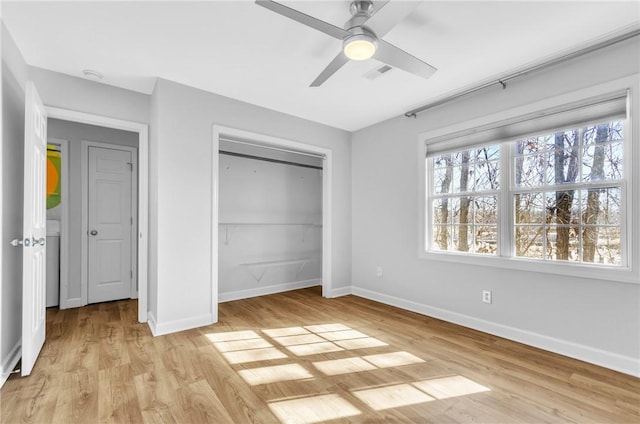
[(54, 178)]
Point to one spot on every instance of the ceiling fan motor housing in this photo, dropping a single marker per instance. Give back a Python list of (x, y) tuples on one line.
[(360, 12)]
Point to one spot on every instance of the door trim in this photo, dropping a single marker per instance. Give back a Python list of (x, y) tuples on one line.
[(327, 200), (143, 188), (84, 171)]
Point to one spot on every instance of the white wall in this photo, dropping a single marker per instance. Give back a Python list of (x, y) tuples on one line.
[(592, 319), (261, 193), (14, 73), (75, 133), (183, 120)]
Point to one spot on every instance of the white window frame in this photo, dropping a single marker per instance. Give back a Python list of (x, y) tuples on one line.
[(629, 272)]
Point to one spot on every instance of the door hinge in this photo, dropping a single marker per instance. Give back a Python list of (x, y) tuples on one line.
[(131, 274), (131, 220)]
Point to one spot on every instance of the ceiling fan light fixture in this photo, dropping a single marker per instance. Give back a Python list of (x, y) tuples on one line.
[(360, 46)]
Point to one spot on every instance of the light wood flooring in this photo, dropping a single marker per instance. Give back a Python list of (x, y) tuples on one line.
[(298, 358)]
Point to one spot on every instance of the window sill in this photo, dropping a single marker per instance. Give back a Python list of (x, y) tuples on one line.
[(620, 275)]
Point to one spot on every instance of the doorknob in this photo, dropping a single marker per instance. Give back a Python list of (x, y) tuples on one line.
[(94, 232)]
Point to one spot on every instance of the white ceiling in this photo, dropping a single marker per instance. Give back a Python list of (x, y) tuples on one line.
[(241, 50)]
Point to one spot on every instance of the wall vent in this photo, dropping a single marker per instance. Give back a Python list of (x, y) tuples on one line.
[(377, 72)]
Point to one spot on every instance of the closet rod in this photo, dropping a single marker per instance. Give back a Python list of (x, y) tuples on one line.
[(286, 162), (246, 143)]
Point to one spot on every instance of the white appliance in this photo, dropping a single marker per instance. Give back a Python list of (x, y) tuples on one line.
[(53, 263)]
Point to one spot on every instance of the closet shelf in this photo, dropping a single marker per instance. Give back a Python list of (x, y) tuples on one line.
[(230, 226), (258, 269)]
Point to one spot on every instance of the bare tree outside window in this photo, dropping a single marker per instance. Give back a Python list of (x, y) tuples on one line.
[(464, 205), (567, 199)]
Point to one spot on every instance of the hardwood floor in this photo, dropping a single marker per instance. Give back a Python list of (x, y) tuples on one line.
[(298, 358)]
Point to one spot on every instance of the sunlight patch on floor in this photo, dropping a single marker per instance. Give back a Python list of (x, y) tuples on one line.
[(298, 340), (343, 366), (395, 396), (364, 343), (323, 328), (242, 345), (313, 409), (314, 349), (253, 355), (393, 359), (289, 331), (447, 387), (233, 335), (343, 335), (274, 374)]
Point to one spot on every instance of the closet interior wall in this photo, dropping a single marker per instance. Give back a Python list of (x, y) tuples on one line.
[(270, 221)]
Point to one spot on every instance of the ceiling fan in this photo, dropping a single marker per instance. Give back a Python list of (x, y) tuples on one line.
[(361, 35)]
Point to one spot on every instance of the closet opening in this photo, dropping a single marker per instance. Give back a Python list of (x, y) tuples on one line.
[(272, 198)]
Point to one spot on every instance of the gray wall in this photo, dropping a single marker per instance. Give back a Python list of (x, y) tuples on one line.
[(75, 133), (182, 193), (594, 316), (258, 192), (14, 73)]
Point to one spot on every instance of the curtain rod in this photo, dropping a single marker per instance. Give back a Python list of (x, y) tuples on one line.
[(247, 143), (503, 81)]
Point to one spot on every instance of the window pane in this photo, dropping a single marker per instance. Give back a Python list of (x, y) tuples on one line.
[(530, 171), (602, 162), (562, 207), (563, 243), (530, 208), (462, 210), (529, 242), (485, 209), (601, 206), (486, 176), (608, 131), (486, 240), (441, 211), (442, 180), (530, 145), (602, 245), (488, 153), (441, 237), (462, 238)]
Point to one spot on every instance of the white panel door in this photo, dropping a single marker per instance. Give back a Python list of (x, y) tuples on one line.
[(34, 229), (110, 224)]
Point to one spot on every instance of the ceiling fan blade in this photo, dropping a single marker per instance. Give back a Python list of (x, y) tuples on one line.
[(310, 21), (337, 63), (391, 15), (393, 56)]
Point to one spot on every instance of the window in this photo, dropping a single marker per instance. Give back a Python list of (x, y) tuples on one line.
[(546, 187), (568, 195), (465, 200)]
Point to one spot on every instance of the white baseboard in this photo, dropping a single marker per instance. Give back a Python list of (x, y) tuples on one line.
[(262, 291), (151, 322), (10, 362), (614, 361), (340, 291), (162, 328), (76, 302)]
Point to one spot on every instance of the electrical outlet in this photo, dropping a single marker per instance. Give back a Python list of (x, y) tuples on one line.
[(379, 271), (486, 296)]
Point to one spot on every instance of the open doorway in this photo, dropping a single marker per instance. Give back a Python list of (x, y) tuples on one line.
[(308, 227), (92, 215), (134, 151)]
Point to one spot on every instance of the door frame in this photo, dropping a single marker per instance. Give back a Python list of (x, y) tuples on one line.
[(143, 188), (84, 245), (64, 222), (327, 200)]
